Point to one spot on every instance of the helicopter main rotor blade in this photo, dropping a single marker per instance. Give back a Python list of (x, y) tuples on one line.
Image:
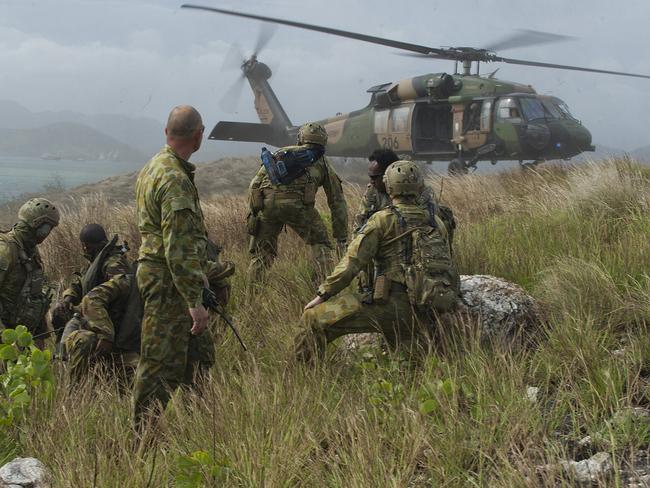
[(524, 37), (565, 66), (267, 31), (326, 30)]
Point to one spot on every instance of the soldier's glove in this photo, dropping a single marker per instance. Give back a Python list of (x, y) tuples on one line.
[(103, 348), (61, 314)]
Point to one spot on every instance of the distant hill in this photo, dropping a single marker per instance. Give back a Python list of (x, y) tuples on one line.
[(66, 140), (142, 133)]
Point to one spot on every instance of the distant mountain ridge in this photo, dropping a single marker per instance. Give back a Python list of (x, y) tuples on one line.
[(142, 133), (66, 140)]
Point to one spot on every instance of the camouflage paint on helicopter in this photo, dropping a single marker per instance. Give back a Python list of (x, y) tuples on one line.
[(463, 117), (433, 117)]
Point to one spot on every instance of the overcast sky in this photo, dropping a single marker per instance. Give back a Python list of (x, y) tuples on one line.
[(140, 57)]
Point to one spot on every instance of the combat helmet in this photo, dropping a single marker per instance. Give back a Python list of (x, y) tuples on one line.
[(38, 211), (312, 133), (403, 178)]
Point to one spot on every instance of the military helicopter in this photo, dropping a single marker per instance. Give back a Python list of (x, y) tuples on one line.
[(462, 117)]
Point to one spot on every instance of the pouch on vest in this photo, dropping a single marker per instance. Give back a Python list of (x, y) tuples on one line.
[(430, 276), (381, 289), (286, 165), (309, 195), (252, 223), (257, 199)]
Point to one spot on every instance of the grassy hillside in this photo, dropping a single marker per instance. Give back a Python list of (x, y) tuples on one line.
[(575, 238)]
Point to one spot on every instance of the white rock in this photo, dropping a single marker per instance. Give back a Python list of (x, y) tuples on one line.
[(597, 468), (25, 472), (531, 393), (501, 309)]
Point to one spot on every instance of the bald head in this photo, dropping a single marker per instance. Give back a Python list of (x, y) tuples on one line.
[(183, 122)]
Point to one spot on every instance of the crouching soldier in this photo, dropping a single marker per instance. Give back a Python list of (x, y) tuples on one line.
[(109, 331), (415, 278), (111, 325), (105, 259), (23, 299)]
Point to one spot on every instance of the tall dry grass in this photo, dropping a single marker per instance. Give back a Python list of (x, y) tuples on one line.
[(576, 238)]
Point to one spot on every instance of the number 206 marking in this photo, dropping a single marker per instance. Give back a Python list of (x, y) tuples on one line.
[(389, 143)]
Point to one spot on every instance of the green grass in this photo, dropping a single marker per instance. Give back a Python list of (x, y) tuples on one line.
[(576, 239)]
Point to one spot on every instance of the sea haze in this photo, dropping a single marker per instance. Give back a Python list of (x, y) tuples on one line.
[(21, 175)]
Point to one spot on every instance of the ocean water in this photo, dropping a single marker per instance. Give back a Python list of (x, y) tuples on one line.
[(31, 175)]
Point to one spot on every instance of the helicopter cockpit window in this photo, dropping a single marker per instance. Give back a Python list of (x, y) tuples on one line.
[(400, 119), (507, 109), (565, 110), (381, 121), (552, 109), (532, 108)]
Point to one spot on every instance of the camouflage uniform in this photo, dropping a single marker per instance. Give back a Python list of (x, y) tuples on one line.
[(170, 277), (22, 297), (274, 206), (349, 313), (374, 200), (110, 262), (114, 263), (112, 312)]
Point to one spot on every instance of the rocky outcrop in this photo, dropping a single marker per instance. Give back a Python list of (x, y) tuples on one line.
[(491, 307), (25, 473)]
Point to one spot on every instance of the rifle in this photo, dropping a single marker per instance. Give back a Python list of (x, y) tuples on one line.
[(210, 303)]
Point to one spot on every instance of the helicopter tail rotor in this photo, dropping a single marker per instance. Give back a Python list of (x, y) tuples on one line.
[(235, 59)]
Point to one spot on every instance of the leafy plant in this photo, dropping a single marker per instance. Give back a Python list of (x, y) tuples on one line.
[(26, 372)]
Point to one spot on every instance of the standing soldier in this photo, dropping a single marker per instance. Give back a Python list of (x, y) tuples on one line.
[(23, 300), (105, 260), (415, 277), (278, 199), (172, 266)]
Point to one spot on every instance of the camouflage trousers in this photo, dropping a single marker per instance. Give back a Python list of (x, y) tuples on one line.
[(79, 348), (170, 356), (303, 219), (347, 314)]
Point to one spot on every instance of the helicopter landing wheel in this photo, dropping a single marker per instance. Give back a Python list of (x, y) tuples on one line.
[(457, 167), (532, 164)]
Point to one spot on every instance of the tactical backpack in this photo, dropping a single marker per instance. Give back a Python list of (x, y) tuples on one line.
[(288, 164), (431, 279)]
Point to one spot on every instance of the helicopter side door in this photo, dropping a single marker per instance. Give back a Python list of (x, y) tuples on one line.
[(431, 129)]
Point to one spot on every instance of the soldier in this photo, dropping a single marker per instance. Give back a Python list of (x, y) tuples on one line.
[(110, 331), (112, 326), (172, 266), (105, 260), (23, 300), (375, 198), (415, 275), (291, 202)]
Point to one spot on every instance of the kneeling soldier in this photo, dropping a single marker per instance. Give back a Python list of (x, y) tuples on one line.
[(415, 277)]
